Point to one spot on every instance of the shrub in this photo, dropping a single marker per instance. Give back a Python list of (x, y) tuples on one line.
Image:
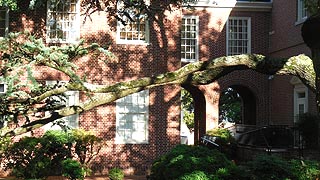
[(196, 175), (309, 126), (266, 167), (26, 159), (305, 170), (224, 136), (73, 170), (116, 174), (36, 158), (225, 140), (191, 161), (87, 145)]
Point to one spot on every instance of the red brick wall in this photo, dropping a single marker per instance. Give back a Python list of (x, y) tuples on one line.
[(285, 35), (162, 54)]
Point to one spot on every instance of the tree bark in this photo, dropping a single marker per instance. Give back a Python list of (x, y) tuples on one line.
[(203, 72)]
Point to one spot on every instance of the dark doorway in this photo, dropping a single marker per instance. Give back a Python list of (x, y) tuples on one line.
[(237, 105)]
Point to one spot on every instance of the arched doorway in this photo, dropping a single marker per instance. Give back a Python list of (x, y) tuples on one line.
[(199, 111), (237, 104)]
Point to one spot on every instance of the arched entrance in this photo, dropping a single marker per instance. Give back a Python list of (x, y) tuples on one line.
[(199, 105), (243, 100)]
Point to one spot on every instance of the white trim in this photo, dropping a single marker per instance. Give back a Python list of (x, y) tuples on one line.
[(138, 41), (298, 89), (75, 101), (135, 42), (236, 5), (248, 19), (4, 88), (130, 108), (302, 13), (196, 39), (6, 20), (76, 27)]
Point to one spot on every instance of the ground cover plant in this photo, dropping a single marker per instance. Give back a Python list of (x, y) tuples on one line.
[(192, 162), (55, 153), (197, 162)]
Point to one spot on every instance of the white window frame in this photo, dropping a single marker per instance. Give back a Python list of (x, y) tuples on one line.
[(302, 13), (74, 119), (73, 32), (128, 27), (5, 29), (190, 48), (4, 90), (298, 89), (129, 110), (4, 84), (228, 38)]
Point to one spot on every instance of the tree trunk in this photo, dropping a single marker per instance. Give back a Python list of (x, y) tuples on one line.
[(316, 65)]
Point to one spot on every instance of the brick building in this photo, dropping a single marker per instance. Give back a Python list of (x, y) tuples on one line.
[(139, 128)]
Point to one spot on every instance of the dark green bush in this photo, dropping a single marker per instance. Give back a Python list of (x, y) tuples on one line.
[(267, 167), (305, 170), (308, 124), (73, 170), (116, 174), (26, 159), (192, 161), (39, 157)]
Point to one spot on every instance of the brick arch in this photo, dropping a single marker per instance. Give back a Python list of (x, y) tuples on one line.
[(249, 113), (254, 88), (199, 111)]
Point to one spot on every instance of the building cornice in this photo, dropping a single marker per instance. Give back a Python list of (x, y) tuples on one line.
[(235, 5)]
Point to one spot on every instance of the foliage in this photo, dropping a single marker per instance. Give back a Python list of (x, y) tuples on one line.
[(195, 175), (27, 100), (27, 159), (184, 162), (224, 136), (38, 157), (11, 4), (225, 140), (192, 162), (87, 145), (116, 174), (73, 170), (187, 108), (230, 106), (266, 167), (312, 6), (305, 170), (308, 124)]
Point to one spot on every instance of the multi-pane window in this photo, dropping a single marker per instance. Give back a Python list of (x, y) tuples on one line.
[(302, 12), (63, 21), (189, 39), (4, 21), (132, 118), (238, 35), (300, 100), (133, 30), (69, 98)]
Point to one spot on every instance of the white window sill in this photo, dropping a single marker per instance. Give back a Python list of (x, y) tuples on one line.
[(188, 60), (53, 41), (143, 43), (300, 21), (122, 141)]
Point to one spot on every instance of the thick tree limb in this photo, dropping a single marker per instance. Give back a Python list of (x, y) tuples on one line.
[(193, 73)]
